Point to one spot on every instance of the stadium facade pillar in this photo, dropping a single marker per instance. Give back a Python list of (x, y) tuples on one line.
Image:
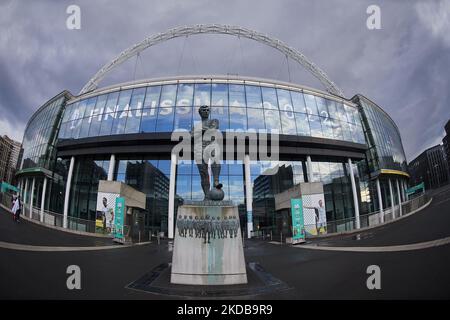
[(172, 187), (355, 195), (32, 197), (309, 168), (44, 189), (67, 194), (248, 195), (112, 164), (25, 193), (392, 199), (399, 199), (380, 201)]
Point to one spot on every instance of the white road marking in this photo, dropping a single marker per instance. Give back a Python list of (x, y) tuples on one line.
[(405, 247), (26, 247)]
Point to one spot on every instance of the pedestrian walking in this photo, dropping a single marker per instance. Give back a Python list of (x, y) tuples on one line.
[(16, 209)]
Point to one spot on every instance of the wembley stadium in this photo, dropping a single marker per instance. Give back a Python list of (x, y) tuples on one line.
[(123, 132)]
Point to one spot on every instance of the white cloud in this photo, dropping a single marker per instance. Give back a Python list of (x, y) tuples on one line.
[(435, 16), (14, 131)]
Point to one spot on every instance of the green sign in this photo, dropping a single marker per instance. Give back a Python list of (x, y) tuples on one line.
[(118, 219), (4, 186), (415, 188), (298, 227)]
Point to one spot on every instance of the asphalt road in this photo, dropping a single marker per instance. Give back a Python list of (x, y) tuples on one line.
[(309, 274)]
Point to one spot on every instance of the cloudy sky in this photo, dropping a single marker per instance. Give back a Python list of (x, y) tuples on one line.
[(404, 67)]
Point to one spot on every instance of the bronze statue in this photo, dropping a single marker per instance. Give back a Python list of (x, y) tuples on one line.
[(216, 193)]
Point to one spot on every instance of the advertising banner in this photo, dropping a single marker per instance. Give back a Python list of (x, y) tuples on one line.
[(315, 217), (104, 221), (118, 219), (298, 233)]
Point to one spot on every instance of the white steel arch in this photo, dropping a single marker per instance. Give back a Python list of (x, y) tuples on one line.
[(292, 53)]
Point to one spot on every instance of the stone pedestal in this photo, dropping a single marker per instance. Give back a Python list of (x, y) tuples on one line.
[(208, 246)]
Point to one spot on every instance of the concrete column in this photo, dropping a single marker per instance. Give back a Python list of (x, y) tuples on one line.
[(44, 189), (355, 195), (25, 192), (309, 168), (392, 199), (20, 187), (67, 195), (173, 173), (249, 195), (399, 199), (405, 186), (32, 197), (380, 201), (112, 164)]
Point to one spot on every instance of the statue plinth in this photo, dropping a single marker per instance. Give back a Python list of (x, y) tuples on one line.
[(208, 245)]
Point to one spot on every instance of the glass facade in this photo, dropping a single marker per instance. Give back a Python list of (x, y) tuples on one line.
[(170, 107), (238, 105), (39, 140), (383, 138)]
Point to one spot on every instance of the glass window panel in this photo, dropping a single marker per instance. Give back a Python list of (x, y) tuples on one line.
[(327, 128), (311, 106), (202, 94), (302, 122), (137, 98), (75, 127), (89, 111), (221, 114), (337, 129), (148, 122), (237, 95), (272, 118), (236, 188), (79, 112), (183, 118), (284, 100), (122, 112), (97, 115), (184, 167), (133, 121), (184, 186), (69, 111), (346, 131), (288, 122), (350, 113), (168, 93), (341, 111), (152, 97), (322, 107), (197, 191), (316, 127), (332, 109), (219, 95), (107, 122), (164, 122), (238, 118), (270, 100), (164, 166), (298, 102), (255, 119), (84, 130), (254, 98), (185, 94)]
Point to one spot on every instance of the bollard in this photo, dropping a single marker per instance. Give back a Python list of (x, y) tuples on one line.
[(281, 239), (157, 236), (149, 236), (139, 236), (270, 235)]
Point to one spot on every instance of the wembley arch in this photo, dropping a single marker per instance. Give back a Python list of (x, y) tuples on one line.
[(236, 31)]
